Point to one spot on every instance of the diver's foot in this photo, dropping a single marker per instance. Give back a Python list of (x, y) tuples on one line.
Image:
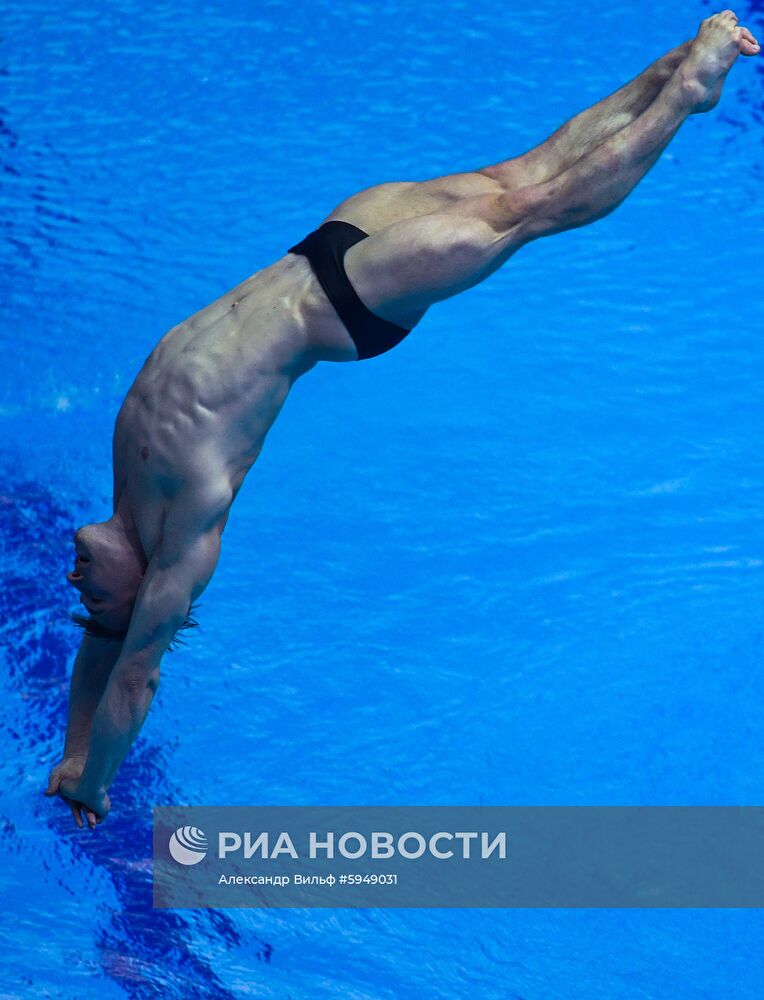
[(717, 45)]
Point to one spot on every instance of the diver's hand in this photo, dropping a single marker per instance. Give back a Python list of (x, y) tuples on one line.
[(94, 803), (69, 768)]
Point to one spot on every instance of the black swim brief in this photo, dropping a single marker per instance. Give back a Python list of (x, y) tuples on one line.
[(325, 249)]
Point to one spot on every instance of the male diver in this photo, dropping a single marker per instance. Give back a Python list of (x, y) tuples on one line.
[(195, 419)]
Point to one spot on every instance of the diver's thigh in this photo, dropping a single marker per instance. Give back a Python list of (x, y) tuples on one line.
[(383, 205), (403, 269)]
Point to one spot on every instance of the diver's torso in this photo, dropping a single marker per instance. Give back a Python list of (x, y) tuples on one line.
[(200, 408)]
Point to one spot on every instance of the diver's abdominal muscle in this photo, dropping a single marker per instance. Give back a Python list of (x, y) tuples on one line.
[(207, 395)]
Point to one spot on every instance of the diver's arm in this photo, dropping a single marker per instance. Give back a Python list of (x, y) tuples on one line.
[(179, 570), (92, 666), (90, 674)]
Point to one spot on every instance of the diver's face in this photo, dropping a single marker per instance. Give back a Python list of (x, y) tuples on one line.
[(105, 574)]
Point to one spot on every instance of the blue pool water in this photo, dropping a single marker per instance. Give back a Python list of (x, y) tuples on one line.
[(518, 560)]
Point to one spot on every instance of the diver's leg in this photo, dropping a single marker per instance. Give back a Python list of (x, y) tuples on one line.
[(596, 184), (403, 269), (381, 205), (589, 129)]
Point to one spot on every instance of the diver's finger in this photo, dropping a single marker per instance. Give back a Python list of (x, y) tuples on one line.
[(53, 782), (75, 807)]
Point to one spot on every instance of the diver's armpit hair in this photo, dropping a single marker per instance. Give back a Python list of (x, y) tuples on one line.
[(92, 627), (189, 624)]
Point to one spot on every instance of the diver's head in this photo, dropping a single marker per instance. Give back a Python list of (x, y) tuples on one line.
[(108, 570)]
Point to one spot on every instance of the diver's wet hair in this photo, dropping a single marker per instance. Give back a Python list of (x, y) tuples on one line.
[(92, 627)]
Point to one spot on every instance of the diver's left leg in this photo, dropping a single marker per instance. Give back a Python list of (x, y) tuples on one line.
[(589, 129), (381, 205), (402, 270)]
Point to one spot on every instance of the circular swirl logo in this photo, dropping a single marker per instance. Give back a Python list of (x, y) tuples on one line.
[(188, 845)]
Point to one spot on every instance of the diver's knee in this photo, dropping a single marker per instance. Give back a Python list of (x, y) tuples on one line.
[(526, 211)]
